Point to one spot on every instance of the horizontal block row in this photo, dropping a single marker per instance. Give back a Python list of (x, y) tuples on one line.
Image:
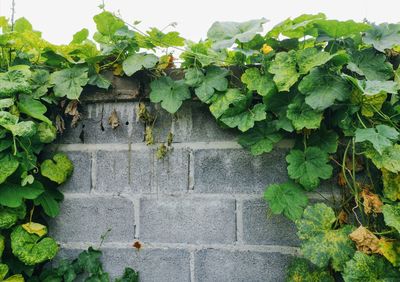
[(209, 264), (193, 122), (200, 170), (193, 220)]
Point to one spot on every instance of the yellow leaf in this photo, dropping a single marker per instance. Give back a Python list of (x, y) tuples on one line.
[(117, 70), (35, 228), (390, 250), (391, 185), (15, 278)]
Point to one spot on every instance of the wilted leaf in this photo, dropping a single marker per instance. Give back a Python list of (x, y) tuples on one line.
[(113, 120), (365, 240), (372, 202)]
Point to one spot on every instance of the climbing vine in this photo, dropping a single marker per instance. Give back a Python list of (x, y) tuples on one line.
[(331, 86)]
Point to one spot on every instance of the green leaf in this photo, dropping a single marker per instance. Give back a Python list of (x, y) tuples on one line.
[(391, 185), (260, 139), (285, 70), (364, 267), (170, 93), (32, 249), (244, 119), (47, 132), (337, 29), (99, 81), (12, 195), (161, 39), (300, 270), (49, 201), (80, 36), (262, 83), (370, 64), (309, 166), (10, 216), (138, 61), (6, 103), (309, 58), (58, 169), (69, 82), (323, 88), (225, 34), (303, 116), (391, 214), (13, 82), (287, 198), (40, 82), (107, 24), (213, 80), (222, 101), (381, 137), (9, 165), (129, 275), (33, 108), (374, 87), (383, 36), (323, 245), (23, 128), (89, 260), (194, 77), (326, 140), (3, 267), (389, 159)]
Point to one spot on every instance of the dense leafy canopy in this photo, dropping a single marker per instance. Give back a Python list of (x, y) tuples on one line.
[(330, 85)]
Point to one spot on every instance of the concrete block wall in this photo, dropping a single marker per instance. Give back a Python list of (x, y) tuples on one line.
[(199, 214)]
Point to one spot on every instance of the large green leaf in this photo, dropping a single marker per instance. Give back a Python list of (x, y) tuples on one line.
[(326, 140), (323, 88), (6, 103), (206, 85), (49, 201), (58, 169), (300, 270), (107, 24), (9, 165), (138, 61), (363, 267), (309, 58), (33, 108), (12, 195), (371, 64), (302, 115), (69, 82), (287, 198), (284, 69), (225, 34), (40, 82), (222, 101), (322, 244), (170, 93), (383, 36), (13, 82), (10, 216), (260, 139), (337, 29), (256, 81), (391, 214), (309, 166), (381, 137), (389, 159), (244, 118), (161, 39), (374, 87)]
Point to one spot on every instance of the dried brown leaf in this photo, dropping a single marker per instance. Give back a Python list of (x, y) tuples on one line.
[(365, 240), (372, 202), (113, 120)]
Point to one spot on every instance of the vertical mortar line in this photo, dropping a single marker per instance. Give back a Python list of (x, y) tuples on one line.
[(93, 163), (191, 170), (239, 221), (191, 265), (136, 208)]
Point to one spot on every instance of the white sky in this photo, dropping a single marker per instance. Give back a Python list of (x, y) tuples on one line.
[(59, 20)]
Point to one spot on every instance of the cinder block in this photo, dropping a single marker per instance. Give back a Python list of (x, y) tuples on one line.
[(263, 228), (152, 264), (171, 174), (94, 126), (238, 266), (87, 219), (80, 180), (124, 171), (183, 220), (237, 171)]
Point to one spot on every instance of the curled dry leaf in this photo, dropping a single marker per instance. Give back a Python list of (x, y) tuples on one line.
[(72, 110), (143, 114), (372, 202), (113, 119), (170, 139), (341, 180), (358, 164), (60, 124), (365, 240), (343, 217), (148, 135)]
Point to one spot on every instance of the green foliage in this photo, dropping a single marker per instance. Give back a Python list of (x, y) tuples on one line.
[(255, 81), (13, 195), (260, 139), (30, 248), (58, 169), (381, 136), (10, 216), (287, 198), (391, 213), (309, 166), (136, 62), (383, 36), (300, 270), (69, 82), (363, 267), (321, 243), (285, 70)]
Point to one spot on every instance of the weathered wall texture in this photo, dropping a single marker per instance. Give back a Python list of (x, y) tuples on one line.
[(199, 213)]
